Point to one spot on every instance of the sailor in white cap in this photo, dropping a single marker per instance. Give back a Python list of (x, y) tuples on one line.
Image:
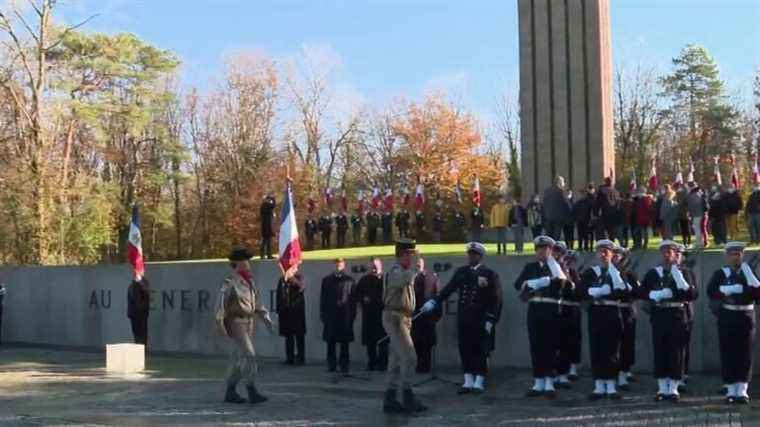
[(628, 312), (669, 292), (478, 311), (569, 354), (605, 288), (543, 284), (735, 288)]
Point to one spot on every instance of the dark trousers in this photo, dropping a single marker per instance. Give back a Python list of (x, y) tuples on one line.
[(685, 227), (343, 359), (424, 358), (687, 347), (310, 242), (554, 229), (472, 348), (719, 230), (294, 343), (357, 236), (140, 329), (325, 240), (669, 340), (605, 331), (342, 238), (585, 237), (387, 234), (372, 236), (377, 356), (628, 349), (535, 231), (266, 247), (640, 237), (543, 335), (569, 232), (736, 334), (569, 338), (403, 232)]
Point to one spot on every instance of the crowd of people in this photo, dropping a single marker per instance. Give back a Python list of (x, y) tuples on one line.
[(686, 212), (400, 309)]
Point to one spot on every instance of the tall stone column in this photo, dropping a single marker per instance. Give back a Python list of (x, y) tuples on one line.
[(565, 92)]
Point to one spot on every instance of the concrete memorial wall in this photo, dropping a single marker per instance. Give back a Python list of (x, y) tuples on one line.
[(86, 307)]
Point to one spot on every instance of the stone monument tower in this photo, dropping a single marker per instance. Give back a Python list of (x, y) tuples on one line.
[(565, 92)]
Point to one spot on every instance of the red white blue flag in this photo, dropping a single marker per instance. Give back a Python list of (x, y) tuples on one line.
[(476, 192), (290, 246), (755, 171), (134, 244)]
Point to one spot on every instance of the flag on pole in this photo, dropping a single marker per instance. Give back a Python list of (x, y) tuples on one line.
[(716, 171), (632, 186), (734, 173), (458, 193), (375, 198), (755, 171), (389, 200), (476, 192), (690, 177), (419, 196), (653, 176), (290, 246), (134, 244)]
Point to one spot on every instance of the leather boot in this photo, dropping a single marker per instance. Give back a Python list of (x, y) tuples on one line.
[(390, 403), (411, 404), (231, 395), (253, 395)]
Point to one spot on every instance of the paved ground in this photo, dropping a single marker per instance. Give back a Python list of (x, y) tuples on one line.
[(52, 387)]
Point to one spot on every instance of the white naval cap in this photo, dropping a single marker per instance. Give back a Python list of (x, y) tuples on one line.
[(476, 247), (560, 247), (670, 244), (735, 246), (605, 244), (544, 241)]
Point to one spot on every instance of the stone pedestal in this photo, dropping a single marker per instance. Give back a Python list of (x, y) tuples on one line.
[(125, 358), (565, 92)]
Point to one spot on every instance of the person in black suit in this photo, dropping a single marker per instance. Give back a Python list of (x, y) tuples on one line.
[(138, 308), (369, 298), (267, 228), (337, 310), (291, 310)]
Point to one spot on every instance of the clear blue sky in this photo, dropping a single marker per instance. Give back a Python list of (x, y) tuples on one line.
[(394, 47)]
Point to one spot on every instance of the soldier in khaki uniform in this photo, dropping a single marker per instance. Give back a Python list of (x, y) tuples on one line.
[(239, 300), (399, 300)]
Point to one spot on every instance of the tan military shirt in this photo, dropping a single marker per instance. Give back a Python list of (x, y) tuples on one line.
[(399, 290), (238, 300)]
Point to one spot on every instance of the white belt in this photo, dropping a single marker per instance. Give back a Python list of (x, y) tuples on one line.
[(669, 305), (607, 303), (734, 307), (544, 299), (570, 303)]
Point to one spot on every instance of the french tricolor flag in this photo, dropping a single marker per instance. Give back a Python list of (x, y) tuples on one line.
[(134, 244), (290, 246)]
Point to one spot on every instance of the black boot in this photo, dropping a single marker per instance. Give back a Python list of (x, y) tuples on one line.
[(390, 403), (411, 404), (231, 396), (253, 395)]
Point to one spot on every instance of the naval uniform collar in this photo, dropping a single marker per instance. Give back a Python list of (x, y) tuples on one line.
[(476, 266)]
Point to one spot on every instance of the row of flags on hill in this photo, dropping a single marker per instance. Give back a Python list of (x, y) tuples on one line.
[(653, 180), (387, 200)]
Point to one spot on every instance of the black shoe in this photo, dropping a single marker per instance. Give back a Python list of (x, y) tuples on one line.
[(563, 385), (464, 390), (231, 396), (624, 387), (673, 397), (730, 400), (723, 390), (741, 400), (659, 397), (534, 393), (253, 396), (476, 390), (550, 394), (390, 404), (631, 379), (596, 396), (682, 389), (410, 403)]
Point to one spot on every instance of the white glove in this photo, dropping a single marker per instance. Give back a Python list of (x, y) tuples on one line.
[(617, 280), (428, 306), (750, 275), (679, 279), (268, 322), (655, 296), (731, 289), (600, 291), (666, 294), (536, 284), (555, 268), (593, 292), (489, 327)]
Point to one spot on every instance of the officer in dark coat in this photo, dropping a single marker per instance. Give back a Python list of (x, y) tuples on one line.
[(476, 223), (341, 226), (267, 231), (325, 229), (458, 225), (605, 287), (356, 228), (568, 356), (373, 223), (426, 285), (478, 311), (668, 292), (369, 298), (733, 291), (628, 312), (387, 226), (291, 310), (419, 225), (310, 227), (438, 224), (543, 284), (138, 308), (402, 222), (337, 311)]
